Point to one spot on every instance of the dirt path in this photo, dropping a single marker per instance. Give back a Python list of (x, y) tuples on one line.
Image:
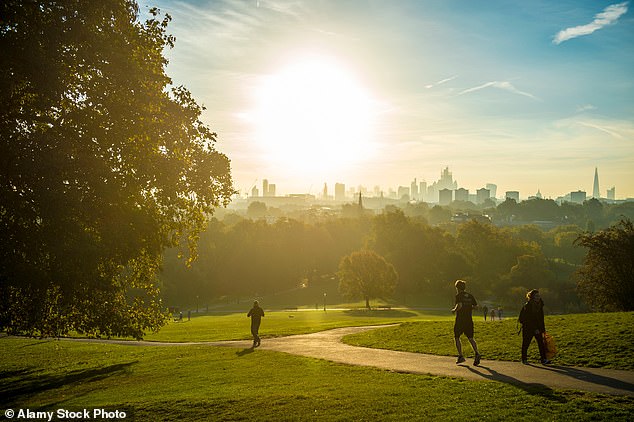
[(327, 345)]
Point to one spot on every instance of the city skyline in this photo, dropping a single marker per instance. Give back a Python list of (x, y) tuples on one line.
[(328, 189), (531, 95)]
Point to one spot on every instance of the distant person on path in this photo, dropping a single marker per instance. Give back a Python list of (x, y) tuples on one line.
[(256, 313), (500, 313), (532, 320), (486, 312), (492, 314), (465, 304)]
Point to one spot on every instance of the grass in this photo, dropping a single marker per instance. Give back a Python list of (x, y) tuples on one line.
[(215, 383), (588, 340), (193, 382), (235, 326)]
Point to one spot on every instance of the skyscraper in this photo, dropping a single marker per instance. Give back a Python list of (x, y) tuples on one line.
[(595, 188)]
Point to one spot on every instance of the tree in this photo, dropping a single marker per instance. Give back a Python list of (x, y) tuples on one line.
[(103, 163), (367, 275), (606, 278)]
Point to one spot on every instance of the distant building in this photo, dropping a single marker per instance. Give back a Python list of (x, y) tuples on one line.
[(462, 194), (445, 196), (512, 194), (324, 194), (596, 193), (493, 188), (414, 191), (271, 189), (255, 192), (611, 194), (482, 195), (422, 191), (403, 193), (578, 197), (340, 192), (265, 187)]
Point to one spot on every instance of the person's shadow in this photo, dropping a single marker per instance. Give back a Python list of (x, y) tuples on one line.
[(244, 352), (535, 389), (587, 376)]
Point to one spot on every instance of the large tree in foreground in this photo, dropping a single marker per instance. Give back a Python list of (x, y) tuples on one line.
[(606, 279), (103, 164), (367, 275)]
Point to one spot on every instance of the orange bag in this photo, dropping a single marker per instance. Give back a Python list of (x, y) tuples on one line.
[(549, 345)]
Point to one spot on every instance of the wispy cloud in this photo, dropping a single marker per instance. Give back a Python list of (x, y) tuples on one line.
[(603, 129), (585, 107), (503, 85), (608, 16), (441, 82)]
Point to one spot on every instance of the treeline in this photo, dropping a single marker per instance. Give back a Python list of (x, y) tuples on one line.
[(246, 258)]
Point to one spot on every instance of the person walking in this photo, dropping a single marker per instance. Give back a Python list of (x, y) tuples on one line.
[(485, 310), (256, 313), (532, 320), (465, 304)]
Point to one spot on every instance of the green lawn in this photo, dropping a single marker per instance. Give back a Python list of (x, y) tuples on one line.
[(215, 383), (191, 382), (235, 326), (603, 340)]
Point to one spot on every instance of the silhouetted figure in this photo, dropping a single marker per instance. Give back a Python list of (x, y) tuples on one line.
[(485, 311), (492, 314), (465, 304), (180, 316), (500, 313), (532, 320), (256, 313)]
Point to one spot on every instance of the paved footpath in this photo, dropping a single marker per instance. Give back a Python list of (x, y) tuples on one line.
[(327, 345)]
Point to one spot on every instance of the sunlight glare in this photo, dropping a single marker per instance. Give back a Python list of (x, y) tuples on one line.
[(313, 115)]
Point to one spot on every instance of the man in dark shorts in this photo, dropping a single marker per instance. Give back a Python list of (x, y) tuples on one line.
[(465, 304), (256, 313)]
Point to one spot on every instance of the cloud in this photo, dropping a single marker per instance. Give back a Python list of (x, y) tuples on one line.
[(585, 107), (441, 82), (504, 85), (604, 129), (609, 16)]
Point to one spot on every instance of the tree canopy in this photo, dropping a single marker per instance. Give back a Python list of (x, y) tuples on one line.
[(367, 275), (606, 279), (104, 164)]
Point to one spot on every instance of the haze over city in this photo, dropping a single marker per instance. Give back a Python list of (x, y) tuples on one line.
[(527, 95)]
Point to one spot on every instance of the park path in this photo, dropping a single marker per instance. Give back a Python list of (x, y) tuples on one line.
[(327, 345)]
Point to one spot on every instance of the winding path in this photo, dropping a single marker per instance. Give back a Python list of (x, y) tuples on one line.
[(327, 345)]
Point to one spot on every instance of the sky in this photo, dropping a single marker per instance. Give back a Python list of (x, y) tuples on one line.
[(528, 95)]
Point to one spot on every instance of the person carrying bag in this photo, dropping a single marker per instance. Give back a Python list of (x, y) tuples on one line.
[(532, 320)]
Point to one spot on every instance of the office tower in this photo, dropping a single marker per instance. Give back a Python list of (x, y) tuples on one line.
[(422, 191), (445, 196), (403, 193), (340, 192), (462, 194), (578, 197), (325, 191), (595, 188), (254, 192), (482, 195), (493, 188), (513, 194), (265, 187), (611, 194), (414, 190), (271, 189)]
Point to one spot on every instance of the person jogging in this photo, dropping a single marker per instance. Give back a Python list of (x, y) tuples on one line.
[(465, 304)]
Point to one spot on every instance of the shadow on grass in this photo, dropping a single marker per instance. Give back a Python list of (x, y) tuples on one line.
[(533, 389), (31, 383), (380, 313), (244, 352), (593, 378)]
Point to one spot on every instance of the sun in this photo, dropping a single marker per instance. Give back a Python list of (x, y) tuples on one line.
[(313, 115)]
